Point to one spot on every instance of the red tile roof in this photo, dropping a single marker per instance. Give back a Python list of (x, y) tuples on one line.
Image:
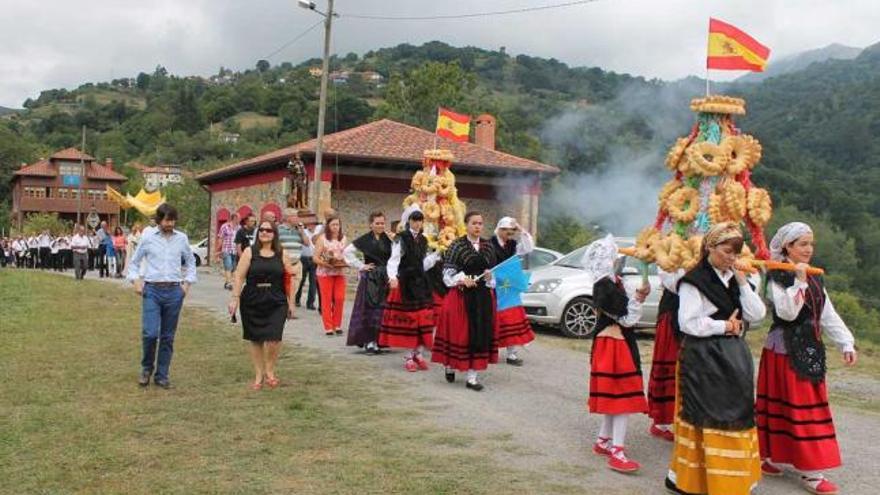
[(41, 168), (387, 140), (44, 168), (102, 172), (71, 154)]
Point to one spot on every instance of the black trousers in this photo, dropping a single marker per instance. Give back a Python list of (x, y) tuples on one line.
[(45, 258), (309, 271), (20, 259), (102, 261), (92, 256)]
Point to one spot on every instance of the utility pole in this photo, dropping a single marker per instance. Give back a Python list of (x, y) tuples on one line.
[(315, 197), (82, 174)]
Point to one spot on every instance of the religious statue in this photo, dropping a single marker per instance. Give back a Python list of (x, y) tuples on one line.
[(299, 183)]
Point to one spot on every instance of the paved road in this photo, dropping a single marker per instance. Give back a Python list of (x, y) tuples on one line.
[(541, 406)]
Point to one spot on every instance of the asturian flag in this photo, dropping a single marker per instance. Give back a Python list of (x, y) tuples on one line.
[(510, 282)]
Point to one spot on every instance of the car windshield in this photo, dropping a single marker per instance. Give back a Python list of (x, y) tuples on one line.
[(572, 259)]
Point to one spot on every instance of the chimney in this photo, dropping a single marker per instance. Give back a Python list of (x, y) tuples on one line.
[(484, 132), (109, 163), (23, 164)]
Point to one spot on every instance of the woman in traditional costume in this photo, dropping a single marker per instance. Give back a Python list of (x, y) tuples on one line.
[(795, 429), (467, 331), (369, 301), (514, 330), (408, 318), (667, 339), (715, 450), (616, 386)]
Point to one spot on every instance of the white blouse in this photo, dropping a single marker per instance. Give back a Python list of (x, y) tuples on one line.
[(394, 262), (451, 278), (669, 280), (695, 310), (788, 304)]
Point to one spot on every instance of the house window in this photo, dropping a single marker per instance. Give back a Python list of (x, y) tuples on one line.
[(69, 169), (61, 193)]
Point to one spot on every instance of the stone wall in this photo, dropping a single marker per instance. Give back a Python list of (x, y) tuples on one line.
[(256, 197)]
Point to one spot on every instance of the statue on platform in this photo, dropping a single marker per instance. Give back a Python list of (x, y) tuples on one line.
[(299, 183)]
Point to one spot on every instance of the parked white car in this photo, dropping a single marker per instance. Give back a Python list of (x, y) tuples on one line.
[(200, 251), (540, 257), (560, 294)]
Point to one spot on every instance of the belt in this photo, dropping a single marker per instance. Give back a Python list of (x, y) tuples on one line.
[(263, 286), (163, 284)]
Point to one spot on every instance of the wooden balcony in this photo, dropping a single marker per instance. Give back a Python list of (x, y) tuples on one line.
[(102, 206)]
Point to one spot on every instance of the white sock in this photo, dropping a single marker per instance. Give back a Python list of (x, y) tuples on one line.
[(511, 352), (618, 434), (663, 427), (472, 376), (605, 428)]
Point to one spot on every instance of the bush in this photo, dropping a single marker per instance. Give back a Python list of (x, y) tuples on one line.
[(38, 222), (864, 323)]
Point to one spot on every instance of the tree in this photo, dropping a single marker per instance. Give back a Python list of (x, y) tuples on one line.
[(143, 81), (263, 65), (414, 97)]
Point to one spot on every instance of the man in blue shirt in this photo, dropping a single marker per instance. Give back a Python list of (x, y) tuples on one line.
[(163, 283)]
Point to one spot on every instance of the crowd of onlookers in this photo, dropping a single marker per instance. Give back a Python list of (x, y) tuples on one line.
[(103, 249)]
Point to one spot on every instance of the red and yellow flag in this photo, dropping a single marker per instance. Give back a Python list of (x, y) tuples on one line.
[(454, 126), (732, 49)]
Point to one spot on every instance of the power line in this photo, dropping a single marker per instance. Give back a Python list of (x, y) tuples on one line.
[(464, 16), (294, 40)]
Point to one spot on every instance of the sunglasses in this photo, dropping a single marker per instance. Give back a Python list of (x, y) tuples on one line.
[(268, 231)]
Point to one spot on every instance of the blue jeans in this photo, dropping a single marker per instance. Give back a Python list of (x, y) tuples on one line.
[(309, 271), (161, 310), (229, 262)]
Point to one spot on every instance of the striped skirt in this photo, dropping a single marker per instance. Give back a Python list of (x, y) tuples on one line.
[(713, 461), (406, 324), (661, 384), (514, 327), (616, 385), (793, 416)]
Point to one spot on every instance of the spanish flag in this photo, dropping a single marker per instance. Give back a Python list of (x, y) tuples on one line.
[(454, 126), (732, 49)]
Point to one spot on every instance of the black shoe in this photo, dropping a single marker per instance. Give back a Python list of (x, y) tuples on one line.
[(515, 361), (162, 384), (450, 376), (310, 308), (144, 379), (671, 488), (339, 331), (297, 304), (476, 387)]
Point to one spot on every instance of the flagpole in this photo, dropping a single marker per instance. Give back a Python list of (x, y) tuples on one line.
[(707, 80), (435, 127)]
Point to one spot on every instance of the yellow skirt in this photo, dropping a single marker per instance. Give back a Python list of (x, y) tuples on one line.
[(711, 461)]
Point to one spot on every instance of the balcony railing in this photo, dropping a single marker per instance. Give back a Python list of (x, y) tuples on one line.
[(68, 205)]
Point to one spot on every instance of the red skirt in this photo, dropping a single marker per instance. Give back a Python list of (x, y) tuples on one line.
[(406, 324), (793, 417), (438, 304), (451, 347), (661, 383), (615, 384), (513, 327)]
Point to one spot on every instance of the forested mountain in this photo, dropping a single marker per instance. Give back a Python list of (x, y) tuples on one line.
[(801, 61), (820, 127)]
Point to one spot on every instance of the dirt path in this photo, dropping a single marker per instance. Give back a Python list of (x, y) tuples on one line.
[(539, 409)]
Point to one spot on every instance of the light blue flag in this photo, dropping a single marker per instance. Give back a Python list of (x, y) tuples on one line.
[(510, 282)]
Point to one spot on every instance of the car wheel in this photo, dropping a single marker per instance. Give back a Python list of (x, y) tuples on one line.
[(579, 318), (198, 260)]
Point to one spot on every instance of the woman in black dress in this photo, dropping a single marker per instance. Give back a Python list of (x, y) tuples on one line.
[(263, 302)]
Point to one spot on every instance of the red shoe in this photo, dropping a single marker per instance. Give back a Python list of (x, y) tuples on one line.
[(618, 462), (819, 485), (769, 469), (273, 382), (411, 365), (600, 447), (660, 433), (420, 361)]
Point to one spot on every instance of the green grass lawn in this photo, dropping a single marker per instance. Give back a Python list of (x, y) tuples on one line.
[(73, 420)]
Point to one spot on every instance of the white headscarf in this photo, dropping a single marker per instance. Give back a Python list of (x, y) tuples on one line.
[(599, 258), (404, 218), (787, 234), (505, 223)]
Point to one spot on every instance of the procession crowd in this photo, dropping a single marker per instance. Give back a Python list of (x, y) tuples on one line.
[(82, 250), (701, 389)]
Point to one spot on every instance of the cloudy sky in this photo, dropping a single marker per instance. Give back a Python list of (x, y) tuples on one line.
[(63, 43)]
